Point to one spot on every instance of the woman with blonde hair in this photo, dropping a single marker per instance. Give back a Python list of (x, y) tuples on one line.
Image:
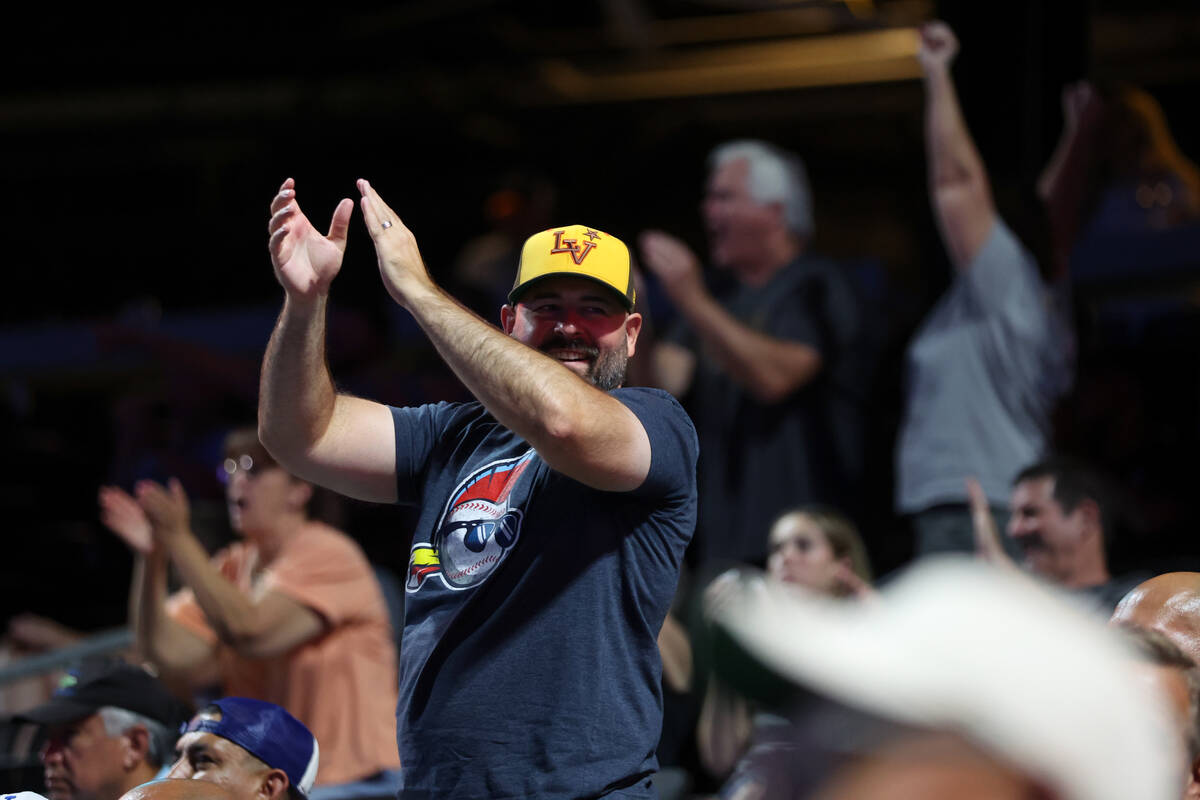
[(811, 546), (820, 549)]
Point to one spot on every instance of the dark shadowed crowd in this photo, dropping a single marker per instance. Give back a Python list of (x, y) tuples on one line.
[(650, 576)]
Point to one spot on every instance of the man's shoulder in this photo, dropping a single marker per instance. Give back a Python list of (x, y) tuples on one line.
[(444, 412), (641, 399), (445, 421)]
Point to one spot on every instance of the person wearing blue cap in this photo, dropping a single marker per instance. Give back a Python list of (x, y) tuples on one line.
[(251, 747)]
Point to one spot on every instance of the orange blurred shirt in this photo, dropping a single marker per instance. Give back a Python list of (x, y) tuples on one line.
[(342, 685)]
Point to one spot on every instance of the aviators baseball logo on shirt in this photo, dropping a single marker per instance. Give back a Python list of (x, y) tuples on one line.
[(476, 531)]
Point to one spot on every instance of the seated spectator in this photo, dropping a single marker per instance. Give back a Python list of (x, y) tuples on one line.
[(292, 615), (985, 685), (1176, 677), (820, 549), (1169, 604), (256, 750), (178, 790), (812, 547), (109, 727), (1062, 518)]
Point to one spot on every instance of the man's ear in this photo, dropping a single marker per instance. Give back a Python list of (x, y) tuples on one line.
[(1089, 510), (273, 785), (300, 493), (508, 318), (633, 326), (137, 748)]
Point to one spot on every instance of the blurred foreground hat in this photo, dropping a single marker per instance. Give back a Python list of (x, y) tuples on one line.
[(268, 733), (960, 646), (576, 250), (107, 682)]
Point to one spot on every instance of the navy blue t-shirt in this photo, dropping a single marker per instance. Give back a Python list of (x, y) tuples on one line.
[(529, 665)]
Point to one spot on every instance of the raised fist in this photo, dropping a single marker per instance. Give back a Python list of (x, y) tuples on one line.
[(938, 46)]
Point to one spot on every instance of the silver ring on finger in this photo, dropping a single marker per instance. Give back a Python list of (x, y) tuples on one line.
[(386, 224)]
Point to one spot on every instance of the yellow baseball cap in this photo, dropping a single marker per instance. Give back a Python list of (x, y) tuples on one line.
[(576, 250)]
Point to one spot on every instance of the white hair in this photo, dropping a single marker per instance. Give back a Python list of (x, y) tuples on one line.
[(119, 720), (774, 175)]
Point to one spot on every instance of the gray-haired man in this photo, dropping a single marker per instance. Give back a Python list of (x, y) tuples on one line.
[(110, 726)]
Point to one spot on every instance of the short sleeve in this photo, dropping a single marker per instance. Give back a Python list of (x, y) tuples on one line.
[(327, 572), (183, 608), (1003, 279), (802, 322), (418, 430), (673, 444)]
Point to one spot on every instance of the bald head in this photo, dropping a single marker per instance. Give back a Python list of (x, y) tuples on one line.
[(1170, 604), (178, 790)]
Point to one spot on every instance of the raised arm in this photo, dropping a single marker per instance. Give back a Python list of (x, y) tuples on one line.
[(1062, 186), (258, 627), (342, 442), (771, 369), (576, 428), (958, 181), (172, 647)]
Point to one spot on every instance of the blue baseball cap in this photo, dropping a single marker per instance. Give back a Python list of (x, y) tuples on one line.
[(268, 733)]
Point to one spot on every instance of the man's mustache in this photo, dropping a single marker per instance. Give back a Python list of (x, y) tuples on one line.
[(560, 342)]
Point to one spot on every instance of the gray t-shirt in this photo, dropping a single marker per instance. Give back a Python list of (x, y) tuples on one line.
[(983, 373), (529, 666)]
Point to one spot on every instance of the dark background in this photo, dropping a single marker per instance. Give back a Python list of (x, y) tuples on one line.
[(140, 152)]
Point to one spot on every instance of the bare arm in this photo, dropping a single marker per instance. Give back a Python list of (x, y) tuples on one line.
[(258, 627), (674, 367), (338, 441), (725, 724), (988, 544), (159, 638), (174, 649), (958, 181), (675, 648), (1062, 185), (771, 369), (723, 730), (576, 428)]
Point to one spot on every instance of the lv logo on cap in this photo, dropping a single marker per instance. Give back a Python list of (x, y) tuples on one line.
[(571, 246)]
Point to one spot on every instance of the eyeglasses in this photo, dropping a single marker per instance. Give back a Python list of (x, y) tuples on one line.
[(231, 466)]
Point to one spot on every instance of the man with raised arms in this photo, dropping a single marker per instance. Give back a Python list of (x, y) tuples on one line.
[(554, 511)]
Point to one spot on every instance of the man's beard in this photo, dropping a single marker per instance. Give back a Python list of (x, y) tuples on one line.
[(606, 368)]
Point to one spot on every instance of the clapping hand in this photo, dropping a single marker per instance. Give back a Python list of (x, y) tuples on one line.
[(166, 508), (400, 263), (305, 261), (673, 263), (122, 515)]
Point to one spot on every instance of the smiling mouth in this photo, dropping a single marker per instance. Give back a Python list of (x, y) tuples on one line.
[(1031, 545), (570, 355), (565, 351)]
